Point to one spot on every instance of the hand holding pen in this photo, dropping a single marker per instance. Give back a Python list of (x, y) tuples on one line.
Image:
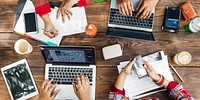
[(49, 28), (50, 33)]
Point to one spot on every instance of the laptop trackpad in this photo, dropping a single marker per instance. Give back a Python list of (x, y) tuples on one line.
[(66, 92)]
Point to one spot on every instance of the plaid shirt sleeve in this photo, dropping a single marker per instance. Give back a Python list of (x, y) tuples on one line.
[(41, 6), (116, 94), (177, 91)]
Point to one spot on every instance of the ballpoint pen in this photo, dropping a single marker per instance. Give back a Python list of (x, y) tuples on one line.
[(46, 30), (176, 73)]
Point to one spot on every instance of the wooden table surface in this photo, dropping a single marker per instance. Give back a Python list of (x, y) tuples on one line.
[(107, 72)]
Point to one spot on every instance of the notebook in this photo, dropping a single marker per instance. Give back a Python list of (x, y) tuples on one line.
[(136, 88)]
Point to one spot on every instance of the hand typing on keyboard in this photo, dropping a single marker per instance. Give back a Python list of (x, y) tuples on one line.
[(82, 90), (144, 8), (46, 92)]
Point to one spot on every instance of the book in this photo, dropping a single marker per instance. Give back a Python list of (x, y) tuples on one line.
[(136, 88)]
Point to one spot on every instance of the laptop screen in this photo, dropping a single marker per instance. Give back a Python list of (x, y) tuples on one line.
[(68, 55)]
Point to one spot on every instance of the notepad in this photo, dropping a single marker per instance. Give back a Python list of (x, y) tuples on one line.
[(136, 88)]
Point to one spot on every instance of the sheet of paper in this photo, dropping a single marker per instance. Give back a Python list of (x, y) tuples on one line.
[(135, 86), (76, 24)]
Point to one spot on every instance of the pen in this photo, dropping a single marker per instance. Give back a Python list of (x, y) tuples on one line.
[(46, 30), (176, 73)]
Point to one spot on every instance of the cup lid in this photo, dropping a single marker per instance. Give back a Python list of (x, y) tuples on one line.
[(184, 57)]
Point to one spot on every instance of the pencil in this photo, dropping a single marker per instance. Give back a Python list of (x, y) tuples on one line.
[(176, 73)]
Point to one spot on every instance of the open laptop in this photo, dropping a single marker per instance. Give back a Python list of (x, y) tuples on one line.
[(64, 64), (129, 26)]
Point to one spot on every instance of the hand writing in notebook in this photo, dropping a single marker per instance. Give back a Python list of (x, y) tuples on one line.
[(49, 29)]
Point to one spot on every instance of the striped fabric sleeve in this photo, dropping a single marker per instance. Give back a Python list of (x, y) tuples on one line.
[(177, 91), (116, 94), (41, 6)]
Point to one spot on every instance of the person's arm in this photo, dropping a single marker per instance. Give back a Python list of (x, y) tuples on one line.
[(177, 91), (117, 91), (42, 8), (174, 89)]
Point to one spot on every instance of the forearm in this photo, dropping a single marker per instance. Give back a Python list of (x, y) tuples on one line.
[(119, 84), (46, 18)]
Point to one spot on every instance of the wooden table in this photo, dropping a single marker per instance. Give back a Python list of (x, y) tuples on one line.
[(107, 72)]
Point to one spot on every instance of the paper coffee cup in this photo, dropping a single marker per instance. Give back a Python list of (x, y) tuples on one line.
[(22, 46)]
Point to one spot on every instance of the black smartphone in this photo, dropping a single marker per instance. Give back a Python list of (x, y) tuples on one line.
[(172, 19), (30, 21), (139, 67)]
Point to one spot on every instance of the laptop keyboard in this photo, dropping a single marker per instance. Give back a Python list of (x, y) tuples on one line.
[(118, 19), (65, 75)]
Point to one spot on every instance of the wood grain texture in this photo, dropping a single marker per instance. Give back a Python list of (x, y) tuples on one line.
[(106, 70)]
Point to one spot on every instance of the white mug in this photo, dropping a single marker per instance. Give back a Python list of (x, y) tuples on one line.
[(22, 46)]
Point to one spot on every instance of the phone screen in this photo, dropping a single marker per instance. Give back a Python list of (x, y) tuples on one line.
[(139, 68), (172, 18), (30, 22)]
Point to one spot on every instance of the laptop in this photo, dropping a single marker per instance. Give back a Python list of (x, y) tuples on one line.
[(129, 26), (64, 64)]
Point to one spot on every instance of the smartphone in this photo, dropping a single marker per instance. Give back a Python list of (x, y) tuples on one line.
[(31, 25), (139, 67), (172, 19)]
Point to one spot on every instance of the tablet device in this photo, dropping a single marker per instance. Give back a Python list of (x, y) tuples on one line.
[(19, 80)]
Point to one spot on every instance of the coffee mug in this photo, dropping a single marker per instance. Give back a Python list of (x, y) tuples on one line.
[(22, 46)]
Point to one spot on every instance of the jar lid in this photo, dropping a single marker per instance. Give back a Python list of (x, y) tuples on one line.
[(184, 57)]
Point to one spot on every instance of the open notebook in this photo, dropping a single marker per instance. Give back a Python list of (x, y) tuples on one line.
[(76, 24), (136, 88)]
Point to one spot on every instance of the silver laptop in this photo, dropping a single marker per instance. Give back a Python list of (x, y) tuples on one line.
[(129, 26), (64, 64)]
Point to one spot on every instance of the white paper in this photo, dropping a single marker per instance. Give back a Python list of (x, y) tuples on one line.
[(135, 86), (76, 24)]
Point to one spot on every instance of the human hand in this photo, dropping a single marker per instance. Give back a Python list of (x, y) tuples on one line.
[(46, 92), (65, 9), (82, 91), (49, 28), (125, 7), (129, 66), (145, 8), (151, 72)]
